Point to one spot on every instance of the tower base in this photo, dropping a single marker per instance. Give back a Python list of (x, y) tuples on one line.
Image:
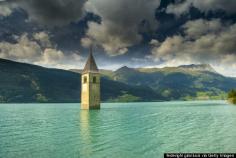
[(88, 107)]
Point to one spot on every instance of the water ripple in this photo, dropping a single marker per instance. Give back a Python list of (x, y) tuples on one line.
[(117, 130)]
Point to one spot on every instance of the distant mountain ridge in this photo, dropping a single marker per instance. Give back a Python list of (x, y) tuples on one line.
[(199, 67), (26, 83), (186, 82), (21, 82)]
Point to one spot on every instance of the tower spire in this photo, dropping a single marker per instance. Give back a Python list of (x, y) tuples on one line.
[(90, 65), (91, 49)]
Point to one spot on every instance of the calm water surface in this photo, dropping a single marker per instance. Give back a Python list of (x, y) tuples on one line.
[(117, 130)]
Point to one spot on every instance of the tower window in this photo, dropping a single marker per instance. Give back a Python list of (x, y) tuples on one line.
[(85, 79), (94, 79)]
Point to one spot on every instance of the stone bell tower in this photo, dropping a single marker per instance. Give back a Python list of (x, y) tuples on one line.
[(90, 85)]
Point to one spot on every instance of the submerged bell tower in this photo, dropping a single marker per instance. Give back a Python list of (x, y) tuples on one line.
[(90, 85)]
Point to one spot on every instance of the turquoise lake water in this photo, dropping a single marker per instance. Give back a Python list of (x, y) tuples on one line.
[(117, 130)]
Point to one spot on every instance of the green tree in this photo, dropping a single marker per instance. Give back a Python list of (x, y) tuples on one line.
[(232, 96)]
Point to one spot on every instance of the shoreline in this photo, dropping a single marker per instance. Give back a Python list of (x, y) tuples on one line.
[(232, 101)]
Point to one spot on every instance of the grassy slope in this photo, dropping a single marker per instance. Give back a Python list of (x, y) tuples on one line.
[(178, 82), (29, 83)]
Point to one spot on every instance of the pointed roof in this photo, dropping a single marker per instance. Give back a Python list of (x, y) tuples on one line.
[(90, 65)]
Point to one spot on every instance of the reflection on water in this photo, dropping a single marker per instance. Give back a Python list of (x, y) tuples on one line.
[(84, 125), (85, 132), (89, 131)]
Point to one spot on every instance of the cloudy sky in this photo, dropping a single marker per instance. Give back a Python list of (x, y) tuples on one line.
[(136, 33)]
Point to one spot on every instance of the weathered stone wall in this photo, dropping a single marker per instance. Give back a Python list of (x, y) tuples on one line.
[(90, 91)]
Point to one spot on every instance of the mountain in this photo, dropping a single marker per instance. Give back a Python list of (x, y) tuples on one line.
[(201, 67), (186, 82), (183, 82), (25, 83), (20, 82)]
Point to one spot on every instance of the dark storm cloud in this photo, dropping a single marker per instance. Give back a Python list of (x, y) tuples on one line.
[(15, 24), (49, 12), (119, 28), (180, 31)]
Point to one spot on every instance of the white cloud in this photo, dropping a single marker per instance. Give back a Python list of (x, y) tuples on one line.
[(23, 50), (113, 42), (5, 11), (197, 28), (179, 8), (154, 42), (203, 5), (57, 59), (86, 42), (213, 43), (51, 57), (34, 51), (43, 38)]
